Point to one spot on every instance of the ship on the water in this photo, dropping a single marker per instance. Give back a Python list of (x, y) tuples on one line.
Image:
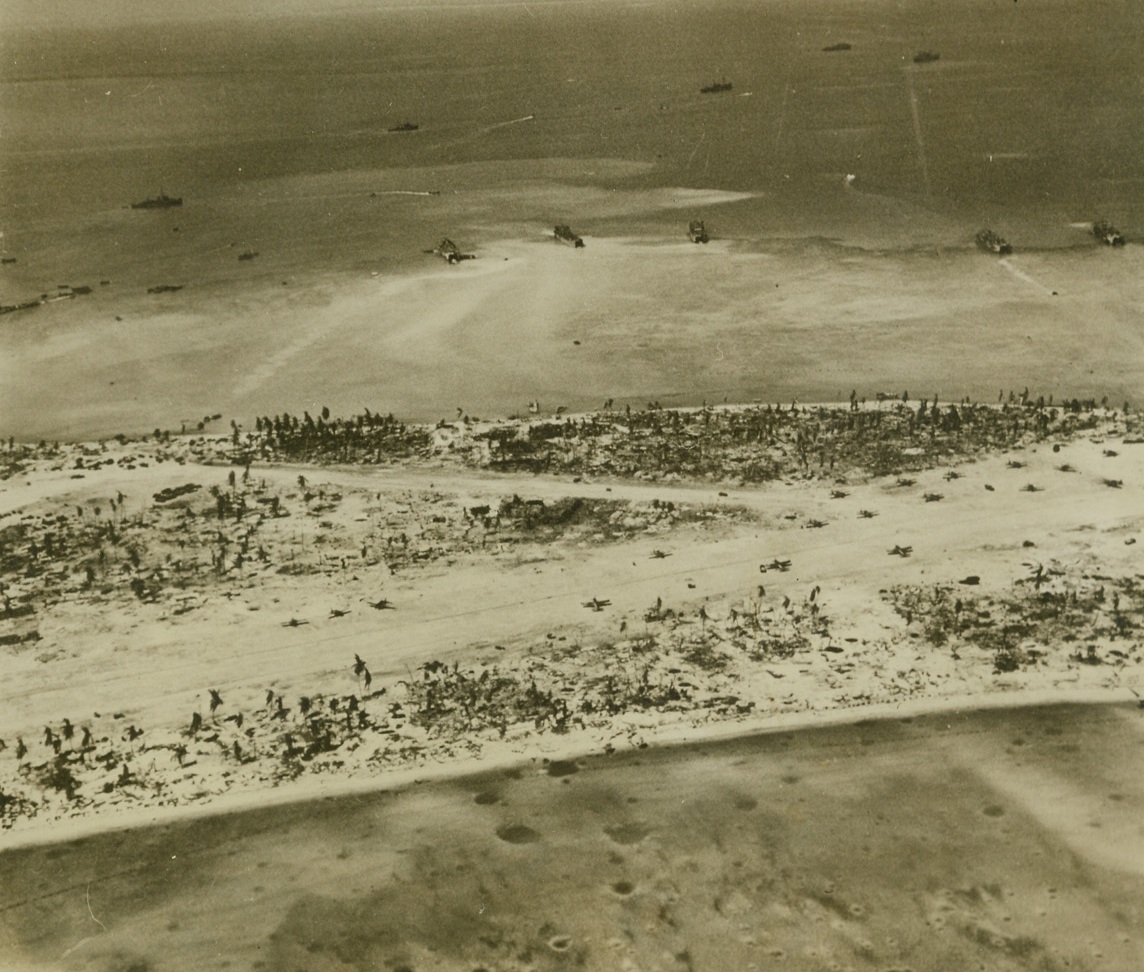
[(564, 234), (1108, 234), (993, 242), (697, 232), (404, 127), (161, 201), (841, 46), (716, 87), (926, 57)]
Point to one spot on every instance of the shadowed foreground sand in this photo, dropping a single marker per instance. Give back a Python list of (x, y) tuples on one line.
[(929, 843)]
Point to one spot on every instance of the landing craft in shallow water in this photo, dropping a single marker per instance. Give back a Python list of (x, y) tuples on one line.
[(696, 232), (1108, 234), (993, 242), (448, 251), (563, 234)]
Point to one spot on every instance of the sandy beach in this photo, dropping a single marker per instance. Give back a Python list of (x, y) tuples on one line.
[(526, 612)]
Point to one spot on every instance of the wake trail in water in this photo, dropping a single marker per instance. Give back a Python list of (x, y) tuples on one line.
[(1021, 275), (918, 129), (782, 113)]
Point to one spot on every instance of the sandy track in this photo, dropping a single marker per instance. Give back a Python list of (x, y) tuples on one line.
[(443, 613)]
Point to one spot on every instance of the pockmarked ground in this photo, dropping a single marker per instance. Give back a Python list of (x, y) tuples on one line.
[(195, 621)]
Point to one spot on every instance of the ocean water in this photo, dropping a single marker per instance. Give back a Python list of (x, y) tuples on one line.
[(1032, 107), (276, 134)]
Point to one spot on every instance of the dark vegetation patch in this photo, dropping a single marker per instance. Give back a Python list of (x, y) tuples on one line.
[(1046, 610), (365, 439), (763, 443)]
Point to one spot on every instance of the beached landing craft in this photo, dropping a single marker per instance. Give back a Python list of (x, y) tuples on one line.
[(994, 243), (448, 251), (564, 234), (1108, 234), (696, 232), (161, 201)]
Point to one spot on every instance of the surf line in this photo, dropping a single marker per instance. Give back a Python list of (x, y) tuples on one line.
[(918, 129)]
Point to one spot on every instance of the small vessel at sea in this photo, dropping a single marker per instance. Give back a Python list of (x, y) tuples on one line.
[(404, 127), (716, 87), (248, 254), (993, 242), (563, 234), (1108, 234), (841, 46), (926, 57), (697, 232), (161, 201)]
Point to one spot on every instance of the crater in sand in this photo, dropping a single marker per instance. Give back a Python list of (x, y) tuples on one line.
[(629, 833), (517, 834), (562, 767)]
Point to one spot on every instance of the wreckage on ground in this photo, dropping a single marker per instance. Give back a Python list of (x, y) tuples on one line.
[(448, 251), (697, 232), (993, 242), (563, 234)]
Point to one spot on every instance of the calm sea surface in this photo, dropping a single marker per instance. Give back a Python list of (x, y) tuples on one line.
[(1032, 108)]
